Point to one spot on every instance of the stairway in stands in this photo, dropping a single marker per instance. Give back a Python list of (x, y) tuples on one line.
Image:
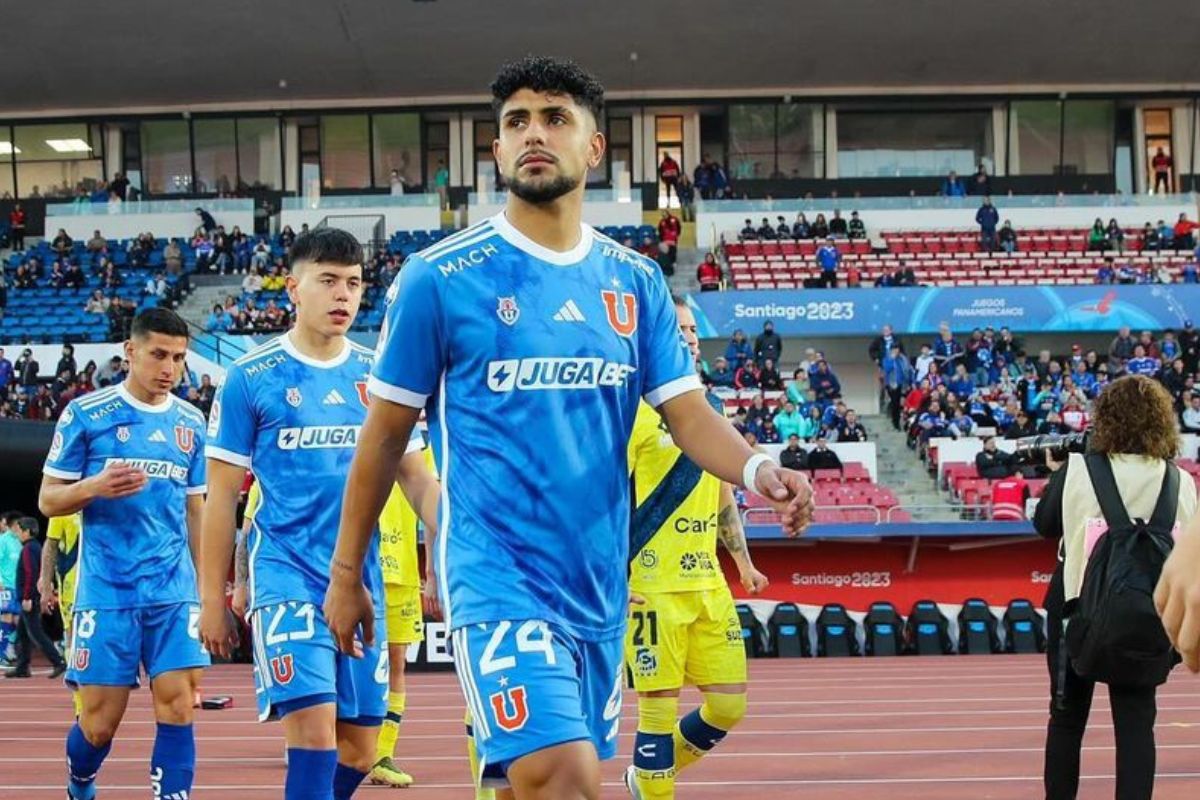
[(900, 470)]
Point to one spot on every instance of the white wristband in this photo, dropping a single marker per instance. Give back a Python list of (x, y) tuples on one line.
[(751, 469)]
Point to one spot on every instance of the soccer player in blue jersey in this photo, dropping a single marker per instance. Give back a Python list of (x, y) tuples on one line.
[(131, 458), (291, 411), (532, 321)]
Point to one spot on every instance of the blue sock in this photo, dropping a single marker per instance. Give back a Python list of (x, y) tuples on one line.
[(83, 762), (345, 781), (173, 761), (309, 774)]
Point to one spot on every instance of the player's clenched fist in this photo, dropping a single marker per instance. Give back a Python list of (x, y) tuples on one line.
[(347, 606), (217, 633), (117, 480), (789, 493)]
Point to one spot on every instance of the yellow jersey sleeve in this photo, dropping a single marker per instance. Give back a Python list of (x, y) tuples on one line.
[(399, 525), (253, 500), (66, 530), (673, 530)]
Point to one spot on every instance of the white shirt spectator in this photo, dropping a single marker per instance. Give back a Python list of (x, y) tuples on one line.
[(922, 363), (252, 284), (1191, 418)]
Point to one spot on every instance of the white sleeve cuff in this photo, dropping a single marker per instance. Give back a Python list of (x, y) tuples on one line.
[(197, 489), (62, 474), (228, 456), (395, 394), (673, 389)]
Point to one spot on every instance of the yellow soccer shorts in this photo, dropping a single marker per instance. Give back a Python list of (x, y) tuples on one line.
[(404, 620), (680, 638)]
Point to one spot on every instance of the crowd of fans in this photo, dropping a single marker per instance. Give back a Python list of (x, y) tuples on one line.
[(807, 407), (24, 396), (988, 382)]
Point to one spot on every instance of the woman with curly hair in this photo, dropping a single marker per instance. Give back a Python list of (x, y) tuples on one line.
[(1134, 425)]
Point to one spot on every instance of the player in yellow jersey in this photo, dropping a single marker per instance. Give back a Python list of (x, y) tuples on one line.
[(59, 559), (398, 526), (683, 628)]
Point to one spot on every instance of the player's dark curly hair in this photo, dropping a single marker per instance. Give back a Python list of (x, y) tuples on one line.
[(545, 74), (1135, 415)]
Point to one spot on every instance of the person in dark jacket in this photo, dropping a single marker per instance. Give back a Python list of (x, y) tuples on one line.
[(29, 625), (991, 462), (793, 456), (769, 380), (988, 219), (825, 383), (768, 345), (822, 457)]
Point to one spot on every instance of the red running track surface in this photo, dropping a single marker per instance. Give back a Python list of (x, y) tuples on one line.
[(928, 728)]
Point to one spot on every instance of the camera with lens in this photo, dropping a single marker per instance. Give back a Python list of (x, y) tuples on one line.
[(1034, 449)]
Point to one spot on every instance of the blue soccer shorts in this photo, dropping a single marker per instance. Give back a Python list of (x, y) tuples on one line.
[(108, 645), (530, 686), (297, 664)]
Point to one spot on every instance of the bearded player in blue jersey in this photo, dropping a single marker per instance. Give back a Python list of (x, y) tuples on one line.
[(533, 321), (131, 457), (291, 411)]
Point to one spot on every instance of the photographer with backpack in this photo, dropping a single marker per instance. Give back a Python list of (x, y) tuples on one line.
[(1116, 510)]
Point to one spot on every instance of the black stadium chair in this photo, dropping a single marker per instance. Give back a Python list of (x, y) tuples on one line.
[(977, 630), (1024, 630), (927, 632), (883, 629), (837, 633), (753, 634), (788, 632)]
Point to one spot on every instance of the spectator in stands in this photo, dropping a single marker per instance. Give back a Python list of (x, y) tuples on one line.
[(769, 434), (768, 345), (1021, 427), (881, 345), (42, 406), (1075, 415), (1151, 238), (1146, 340), (758, 411), (27, 369), (1116, 236), (1169, 349), (766, 231), (669, 228), (219, 321), (106, 374), (73, 277), (981, 182), (276, 318), (1184, 233), (97, 303), (988, 219), (947, 351), (1053, 425), (960, 424), (1191, 415), (206, 221), (708, 274), (897, 376), (819, 228), (748, 233), (828, 258), (66, 362), (953, 186), (668, 173), (57, 278), (857, 229), (687, 198), (825, 383), (811, 423), (1121, 348), (1007, 237), (702, 177), (1142, 364), (961, 384), (275, 281), (851, 430), (1166, 235), (789, 421), (721, 376), (738, 351), (1098, 237), (797, 389), (203, 247), (782, 229), (792, 456), (252, 283), (800, 228), (260, 259), (1106, 274), (111, 277), (922, 363), (25, 278), (1163, 165), (62, 243), (821, 457), (837, 226), (993, 463), (97, 246), (769, 378), (746, 376), (16, 227)]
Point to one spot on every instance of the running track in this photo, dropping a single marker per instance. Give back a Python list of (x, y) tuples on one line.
[(929, 728)]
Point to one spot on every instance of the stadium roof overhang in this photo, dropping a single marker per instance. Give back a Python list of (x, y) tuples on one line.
[(62, 56)]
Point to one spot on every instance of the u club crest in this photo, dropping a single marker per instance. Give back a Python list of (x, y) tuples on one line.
[(293, 397), (507, 310)]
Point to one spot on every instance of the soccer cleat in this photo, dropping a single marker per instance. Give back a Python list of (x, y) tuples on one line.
[(386, 773), (631, 782)]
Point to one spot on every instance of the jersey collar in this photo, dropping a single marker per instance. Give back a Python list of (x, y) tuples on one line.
[(290, 348), (527, 245), (161, 408)]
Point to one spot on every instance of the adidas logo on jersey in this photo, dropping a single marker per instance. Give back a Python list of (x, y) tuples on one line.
[(334, 398), (569, 313), (158, 436)]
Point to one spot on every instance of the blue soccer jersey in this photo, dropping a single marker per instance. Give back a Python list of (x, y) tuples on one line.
[(133, 551), (530, 365), (294, 421)]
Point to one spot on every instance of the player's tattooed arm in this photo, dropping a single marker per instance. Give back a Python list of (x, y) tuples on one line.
[(241, 557), (733, 537)]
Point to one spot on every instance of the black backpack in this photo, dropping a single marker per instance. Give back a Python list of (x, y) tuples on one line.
[(1113, 632)]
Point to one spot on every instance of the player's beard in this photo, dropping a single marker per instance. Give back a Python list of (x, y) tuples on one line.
[(540, 191)]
